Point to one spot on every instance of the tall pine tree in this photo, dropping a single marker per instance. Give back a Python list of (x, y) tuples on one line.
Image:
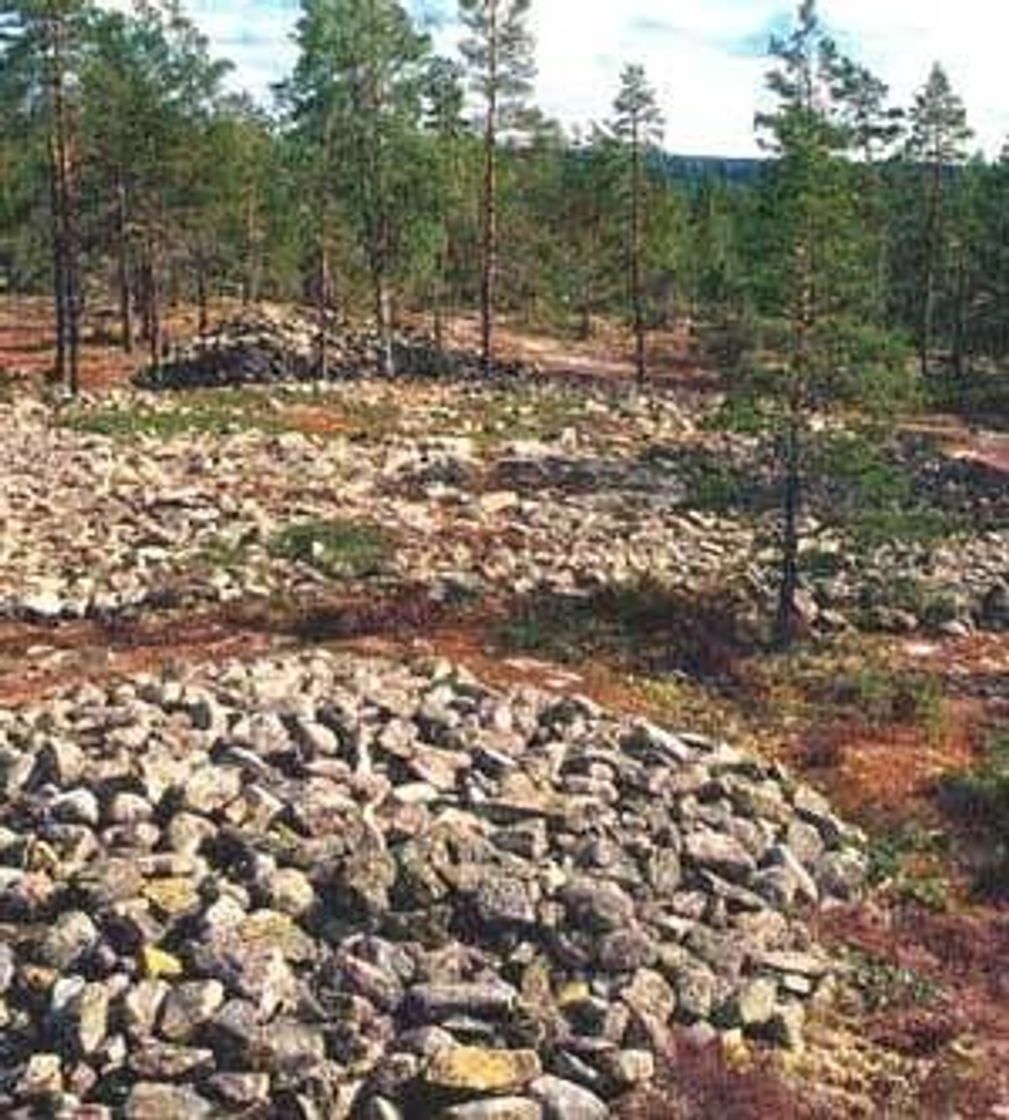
[(638, 126), (498, 51)]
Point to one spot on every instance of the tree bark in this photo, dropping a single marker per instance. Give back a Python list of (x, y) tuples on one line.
[(322, 297), (154, 301), (64, 279), (787, 618), (786, 622), (202, 300), (59, 262), (637, 293), (250, 277), (932, 247), (123, 267), (488, 283)]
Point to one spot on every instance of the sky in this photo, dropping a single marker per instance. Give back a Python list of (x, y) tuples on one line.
[(706, 58)]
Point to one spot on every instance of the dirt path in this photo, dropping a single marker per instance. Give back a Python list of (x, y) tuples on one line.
[(961, 441)]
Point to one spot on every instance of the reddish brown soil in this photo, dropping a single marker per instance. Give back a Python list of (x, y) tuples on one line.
[(607, 356)]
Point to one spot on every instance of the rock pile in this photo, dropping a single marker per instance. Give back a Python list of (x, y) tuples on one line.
[(263, 347), (318, 886)]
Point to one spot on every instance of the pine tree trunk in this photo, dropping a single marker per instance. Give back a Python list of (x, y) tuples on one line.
[(323, 298), (154, 301), (59, 262), (927, 317), (201, 293), (75, 293), (786, 621), (383, 320), (123, 267), (932, 247), (63, 291), (250, 277), (438, 299), (585, 317), (489, 272), (637, 292)]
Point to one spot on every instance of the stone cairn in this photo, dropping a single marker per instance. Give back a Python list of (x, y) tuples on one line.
[(265, 348), (320, 886)]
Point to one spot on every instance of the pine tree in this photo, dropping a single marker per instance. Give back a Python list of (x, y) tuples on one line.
[(40, 43), (874, 127), (151, 92), (936, 143), (357, 91), (444, 102), (819, 283), (499, 54), (638, 125)]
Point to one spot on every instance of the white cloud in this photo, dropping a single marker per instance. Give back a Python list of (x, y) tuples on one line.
[(703, 56)]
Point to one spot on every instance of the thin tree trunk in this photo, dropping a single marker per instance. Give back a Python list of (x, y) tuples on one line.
[(786, 622), (250, 278), (62, 275), (637, 293), (154, 301), (123, 266), (383, 320), (70, 247), (488, 284), (323, 298), (59, 262), (927, 316), (74, 287), (928, 284), (438, 299), (201, 293), (585, 317)]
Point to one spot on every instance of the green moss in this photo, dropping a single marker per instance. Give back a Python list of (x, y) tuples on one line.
[(220, 413), (338, 549)]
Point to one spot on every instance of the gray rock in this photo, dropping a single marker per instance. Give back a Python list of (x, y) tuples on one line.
[(842, 874), (188, 1006), (626, 950), (720, 853), (495, 1108), (153, 1101), (159, 1061), (86, 1019), (564, 1100), (72, 937), (431, 1003), (502, 900), (598, 905)]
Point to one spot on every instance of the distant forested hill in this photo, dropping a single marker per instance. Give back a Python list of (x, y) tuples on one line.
[(695, 169)]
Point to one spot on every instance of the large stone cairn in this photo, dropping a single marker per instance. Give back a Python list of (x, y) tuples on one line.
[(321, 887), (265, 347)]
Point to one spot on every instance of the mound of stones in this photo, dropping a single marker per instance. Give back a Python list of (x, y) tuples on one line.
[(263, 347), (319, 886)]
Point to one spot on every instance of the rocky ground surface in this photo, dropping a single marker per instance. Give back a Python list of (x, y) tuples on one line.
[(315, 880), (142, 501)]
